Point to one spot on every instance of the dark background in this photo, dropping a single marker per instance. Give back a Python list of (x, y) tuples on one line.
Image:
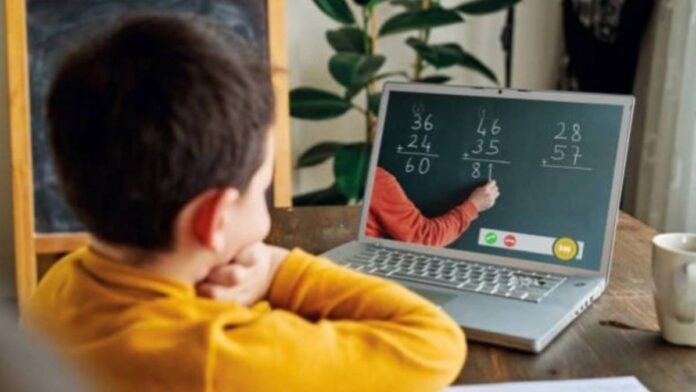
[(55, 27)]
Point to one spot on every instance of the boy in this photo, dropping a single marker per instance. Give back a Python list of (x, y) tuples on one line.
[(159, 129)]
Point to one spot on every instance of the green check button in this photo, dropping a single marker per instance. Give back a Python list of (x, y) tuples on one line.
[(491, 238)]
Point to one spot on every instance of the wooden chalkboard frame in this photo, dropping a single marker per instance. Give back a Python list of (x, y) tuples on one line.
[(29, 244)]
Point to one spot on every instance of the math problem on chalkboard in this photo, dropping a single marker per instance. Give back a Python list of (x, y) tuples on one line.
[(553, 161), (418, 149), (566, 152), (483, 152), (485, 155)]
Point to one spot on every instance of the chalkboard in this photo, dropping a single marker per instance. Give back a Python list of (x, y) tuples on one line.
[(55, 26), (553, 161)]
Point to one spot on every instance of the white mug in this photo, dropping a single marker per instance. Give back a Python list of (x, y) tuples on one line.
[(674, 278)]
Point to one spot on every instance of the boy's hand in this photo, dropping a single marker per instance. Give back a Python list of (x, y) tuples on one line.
[(484, 196), (247, 278)]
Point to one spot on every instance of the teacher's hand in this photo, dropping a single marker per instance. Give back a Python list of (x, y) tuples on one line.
[(484, 196)]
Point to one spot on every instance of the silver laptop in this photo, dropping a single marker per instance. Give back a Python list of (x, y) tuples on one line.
[(522, 271)]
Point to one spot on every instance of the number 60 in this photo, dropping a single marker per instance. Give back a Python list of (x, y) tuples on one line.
[(423, 165)]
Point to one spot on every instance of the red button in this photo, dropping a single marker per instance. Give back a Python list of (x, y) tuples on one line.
[(510, 240)]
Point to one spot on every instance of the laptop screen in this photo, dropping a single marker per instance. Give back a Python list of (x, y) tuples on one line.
[(554, 163)]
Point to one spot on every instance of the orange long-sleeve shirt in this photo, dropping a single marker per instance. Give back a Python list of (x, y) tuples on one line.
[(322, 328), (393, 215)]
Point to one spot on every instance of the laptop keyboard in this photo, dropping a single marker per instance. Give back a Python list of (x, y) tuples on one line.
[(455, 274)]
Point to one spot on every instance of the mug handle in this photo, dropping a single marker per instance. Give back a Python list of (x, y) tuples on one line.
[(685, 287)]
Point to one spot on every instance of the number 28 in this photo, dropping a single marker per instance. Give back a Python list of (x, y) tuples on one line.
[(575, 135)]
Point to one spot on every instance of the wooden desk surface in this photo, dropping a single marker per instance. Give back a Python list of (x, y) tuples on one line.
[(616, 336)]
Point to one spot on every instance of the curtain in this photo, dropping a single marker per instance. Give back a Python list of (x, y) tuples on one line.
[(661, 178)]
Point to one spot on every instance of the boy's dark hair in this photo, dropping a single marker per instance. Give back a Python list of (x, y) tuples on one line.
[(146, 116)]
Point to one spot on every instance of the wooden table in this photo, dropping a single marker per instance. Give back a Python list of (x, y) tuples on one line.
[(617, 336)]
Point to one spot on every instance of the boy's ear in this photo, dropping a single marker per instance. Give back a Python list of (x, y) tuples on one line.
[(211, 217)]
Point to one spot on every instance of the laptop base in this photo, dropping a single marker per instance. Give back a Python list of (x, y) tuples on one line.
[(513, 323)]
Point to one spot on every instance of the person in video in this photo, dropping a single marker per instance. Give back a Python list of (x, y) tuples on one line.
[(393, 215)]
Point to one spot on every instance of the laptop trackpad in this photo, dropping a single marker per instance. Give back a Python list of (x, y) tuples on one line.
[(435, 297)]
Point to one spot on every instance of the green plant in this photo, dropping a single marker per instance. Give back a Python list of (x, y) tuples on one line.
[(355, 66)]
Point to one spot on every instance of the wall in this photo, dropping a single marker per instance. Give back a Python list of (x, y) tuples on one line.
[(538, 48), (6, 239)]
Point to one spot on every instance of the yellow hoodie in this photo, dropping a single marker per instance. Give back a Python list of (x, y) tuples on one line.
[(321, 328)]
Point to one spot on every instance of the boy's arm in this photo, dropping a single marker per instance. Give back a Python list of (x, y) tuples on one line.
[(315, 288), (335, 329)]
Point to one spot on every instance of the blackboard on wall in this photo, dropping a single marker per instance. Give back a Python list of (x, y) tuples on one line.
[(553, 161), (56, 26)]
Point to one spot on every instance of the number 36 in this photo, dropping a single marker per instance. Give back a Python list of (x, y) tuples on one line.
[(419, 123)]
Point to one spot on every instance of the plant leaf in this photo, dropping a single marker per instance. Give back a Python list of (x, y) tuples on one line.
[(314, 104), (337, 10), (350, 169), (468, 60), (346, 39), (439, 56), (418, 20), (373, 103), (353, 71), (436, 79), (373, 3), (446, 55), (403, 74), (410, 5), (327, 196), (317, 154), (479, 7)]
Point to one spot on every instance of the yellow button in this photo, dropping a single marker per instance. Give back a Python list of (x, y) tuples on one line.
[(565, 248)]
